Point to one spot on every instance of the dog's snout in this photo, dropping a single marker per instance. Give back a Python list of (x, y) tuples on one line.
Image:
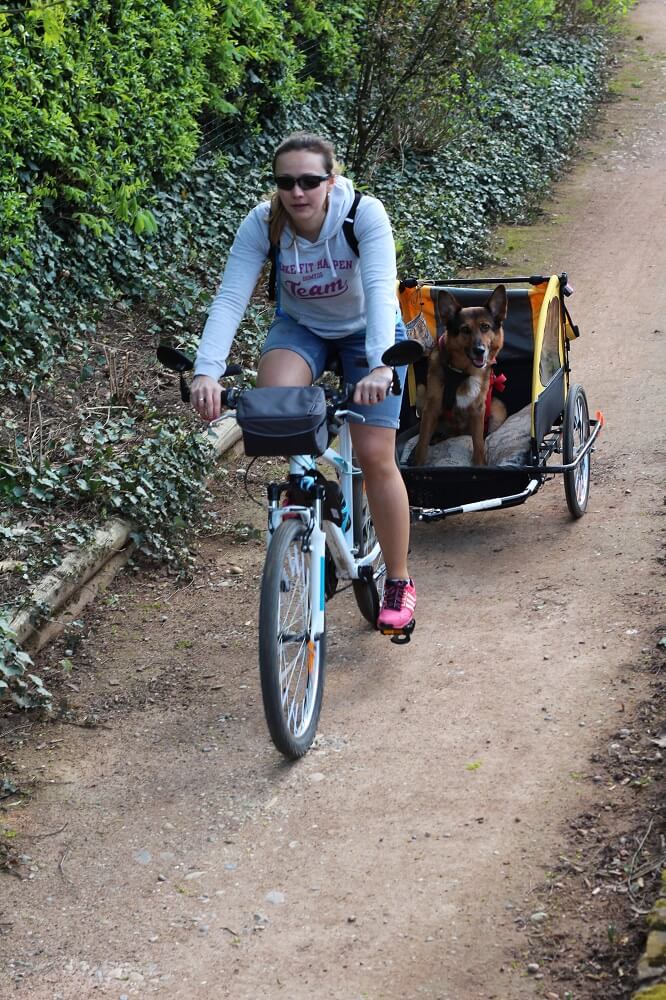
[(478, 350)]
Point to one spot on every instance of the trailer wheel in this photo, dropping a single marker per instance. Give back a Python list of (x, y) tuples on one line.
[(575, 432)]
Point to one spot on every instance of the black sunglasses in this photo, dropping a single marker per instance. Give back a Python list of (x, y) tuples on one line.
[(306, 182)]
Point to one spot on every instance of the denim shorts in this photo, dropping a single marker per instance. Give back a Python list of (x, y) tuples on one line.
[(287, 334)]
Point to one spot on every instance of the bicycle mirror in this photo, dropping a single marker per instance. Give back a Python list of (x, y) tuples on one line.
[(174, 359), (407, 352)]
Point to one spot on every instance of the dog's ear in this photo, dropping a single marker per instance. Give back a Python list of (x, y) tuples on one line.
[(497, 304), (448, 306)]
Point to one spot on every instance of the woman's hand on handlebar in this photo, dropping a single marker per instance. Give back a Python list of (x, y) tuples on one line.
[(374, 387), (205, 393)]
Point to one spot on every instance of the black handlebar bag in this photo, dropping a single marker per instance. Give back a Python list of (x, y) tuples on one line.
[(283, 421)]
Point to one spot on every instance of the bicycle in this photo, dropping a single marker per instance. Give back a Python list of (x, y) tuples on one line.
[(318, 532)]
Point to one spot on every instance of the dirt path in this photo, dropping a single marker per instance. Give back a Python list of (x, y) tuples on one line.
[(175, 855)]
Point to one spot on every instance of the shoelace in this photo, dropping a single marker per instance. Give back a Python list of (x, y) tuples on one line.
[(393, 592)]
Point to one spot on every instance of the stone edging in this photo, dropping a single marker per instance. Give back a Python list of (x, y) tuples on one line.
[(57, 588), (84, 573), (652, 965)]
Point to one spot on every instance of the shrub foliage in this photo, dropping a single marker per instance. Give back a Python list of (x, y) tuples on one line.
[(102, 99)]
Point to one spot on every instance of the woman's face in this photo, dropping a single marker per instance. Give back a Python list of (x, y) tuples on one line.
[(305, 208)]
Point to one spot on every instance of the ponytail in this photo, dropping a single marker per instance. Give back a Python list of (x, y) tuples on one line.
[(277, 219)]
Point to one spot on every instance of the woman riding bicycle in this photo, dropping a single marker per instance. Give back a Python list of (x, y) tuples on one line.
[(328, 296)]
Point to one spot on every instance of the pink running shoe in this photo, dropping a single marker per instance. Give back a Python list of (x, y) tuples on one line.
[(398, 604)]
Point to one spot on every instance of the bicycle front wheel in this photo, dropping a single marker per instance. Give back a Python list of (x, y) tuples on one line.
[(292, 661)]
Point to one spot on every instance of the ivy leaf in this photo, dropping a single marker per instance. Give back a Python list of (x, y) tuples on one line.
[(11, 669)]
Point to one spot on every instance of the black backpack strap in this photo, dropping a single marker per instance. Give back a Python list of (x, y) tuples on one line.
[(348, 224)]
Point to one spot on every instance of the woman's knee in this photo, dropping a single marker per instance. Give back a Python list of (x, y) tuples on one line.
[(284, 368), (377, 459)]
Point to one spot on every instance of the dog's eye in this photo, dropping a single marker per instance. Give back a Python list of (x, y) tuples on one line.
[(463, 329), (484, 327)]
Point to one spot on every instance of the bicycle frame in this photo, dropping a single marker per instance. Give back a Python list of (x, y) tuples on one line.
[(323, 533)]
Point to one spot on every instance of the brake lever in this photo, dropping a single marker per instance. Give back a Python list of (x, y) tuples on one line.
[(350, 413)]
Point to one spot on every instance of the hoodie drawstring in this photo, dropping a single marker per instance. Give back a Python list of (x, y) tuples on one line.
[(330, 259)]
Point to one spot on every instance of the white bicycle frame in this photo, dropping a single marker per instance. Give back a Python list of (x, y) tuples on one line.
[(320, 533)]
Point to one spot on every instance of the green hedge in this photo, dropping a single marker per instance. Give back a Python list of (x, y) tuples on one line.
[(100, 99), (104, 103), (103, 99), (103, 108)]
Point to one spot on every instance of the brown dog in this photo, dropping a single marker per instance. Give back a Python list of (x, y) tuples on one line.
[(459, 370)]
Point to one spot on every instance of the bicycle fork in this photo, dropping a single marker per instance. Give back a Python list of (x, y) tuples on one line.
[(315, 541)]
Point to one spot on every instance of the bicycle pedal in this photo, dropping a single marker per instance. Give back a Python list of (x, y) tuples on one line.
[(401, 636)]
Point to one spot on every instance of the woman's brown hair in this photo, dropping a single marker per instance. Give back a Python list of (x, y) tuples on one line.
[(278, 216)]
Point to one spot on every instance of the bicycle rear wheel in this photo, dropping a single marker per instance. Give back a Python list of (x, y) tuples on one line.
[(292, 661), (368, 590)]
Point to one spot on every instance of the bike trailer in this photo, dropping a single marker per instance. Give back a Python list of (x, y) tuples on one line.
[(547, 414)]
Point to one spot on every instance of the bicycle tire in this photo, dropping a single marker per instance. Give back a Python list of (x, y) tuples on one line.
[(292, 664), (575, 432), (367, 591)]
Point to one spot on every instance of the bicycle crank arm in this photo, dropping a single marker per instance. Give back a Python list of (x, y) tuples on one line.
[(401, 636)]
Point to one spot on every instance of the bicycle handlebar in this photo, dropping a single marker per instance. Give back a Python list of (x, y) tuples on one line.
[(406, 352)]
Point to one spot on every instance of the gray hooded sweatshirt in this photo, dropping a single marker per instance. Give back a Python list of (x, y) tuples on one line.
[(322, 285)]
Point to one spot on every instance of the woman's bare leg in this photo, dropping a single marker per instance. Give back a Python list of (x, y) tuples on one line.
[(387, 496)]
